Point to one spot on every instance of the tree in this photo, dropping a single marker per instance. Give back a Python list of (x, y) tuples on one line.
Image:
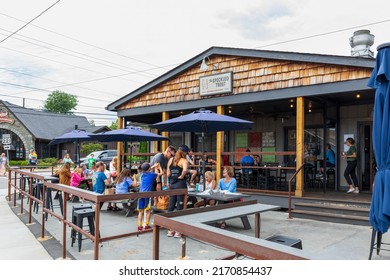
[(60, 102), (88, 148), (114, 125)]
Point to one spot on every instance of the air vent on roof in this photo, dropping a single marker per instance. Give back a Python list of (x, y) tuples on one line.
[(361, 41)]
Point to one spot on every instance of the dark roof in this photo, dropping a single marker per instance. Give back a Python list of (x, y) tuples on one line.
[(278, 55), (45, 125)]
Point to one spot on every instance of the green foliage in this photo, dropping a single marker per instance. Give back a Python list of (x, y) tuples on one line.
[(114, 125), (88, 148), (18, 162), (48, 161), (60, 102)]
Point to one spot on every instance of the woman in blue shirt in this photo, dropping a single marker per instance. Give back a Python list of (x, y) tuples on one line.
[(228, 182)]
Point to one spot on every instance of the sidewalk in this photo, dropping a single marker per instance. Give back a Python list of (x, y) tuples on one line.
[(326, 241), (17, 242)]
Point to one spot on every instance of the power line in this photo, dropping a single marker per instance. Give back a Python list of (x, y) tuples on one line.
[(85, 43), (27, 23), (322, 34)]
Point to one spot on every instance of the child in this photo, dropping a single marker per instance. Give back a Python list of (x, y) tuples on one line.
[(125, 181), (76, 178), (147, 181), (211, 184)]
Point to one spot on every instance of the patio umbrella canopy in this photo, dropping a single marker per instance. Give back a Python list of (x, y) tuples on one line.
[(204, 121), (380, 77), (77, 136), (129, 134)]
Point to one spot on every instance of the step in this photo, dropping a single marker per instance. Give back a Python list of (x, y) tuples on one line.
[(331, 217), (338, 208)]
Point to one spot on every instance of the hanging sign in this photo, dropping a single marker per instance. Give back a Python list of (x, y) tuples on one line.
[(216, 84)]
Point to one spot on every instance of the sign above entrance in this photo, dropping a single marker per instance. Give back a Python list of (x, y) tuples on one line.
[(216, 84), (5, 119)]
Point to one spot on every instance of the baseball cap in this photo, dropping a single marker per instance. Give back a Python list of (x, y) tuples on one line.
[(184, 148), (145, 166)]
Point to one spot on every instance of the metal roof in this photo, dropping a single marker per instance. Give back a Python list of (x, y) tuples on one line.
[(46, 125)]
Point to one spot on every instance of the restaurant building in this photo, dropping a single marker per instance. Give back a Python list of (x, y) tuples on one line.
[(294, 99), (23, 129)]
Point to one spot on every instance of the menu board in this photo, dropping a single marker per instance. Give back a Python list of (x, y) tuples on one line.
[(268, 139)]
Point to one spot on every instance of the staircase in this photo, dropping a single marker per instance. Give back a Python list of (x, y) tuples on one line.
[(335, 211)]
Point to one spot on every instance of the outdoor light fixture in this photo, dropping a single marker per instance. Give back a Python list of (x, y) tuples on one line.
[(204, 66), (357, 95)]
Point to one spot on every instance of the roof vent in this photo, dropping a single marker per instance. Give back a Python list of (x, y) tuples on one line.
[(361, 41)]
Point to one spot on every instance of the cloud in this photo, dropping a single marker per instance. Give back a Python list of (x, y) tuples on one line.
[(261, 22)]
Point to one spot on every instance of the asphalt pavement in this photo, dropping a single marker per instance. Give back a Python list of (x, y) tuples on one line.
[(21, 241)]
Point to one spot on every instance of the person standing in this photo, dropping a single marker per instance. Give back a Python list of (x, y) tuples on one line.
[(162, 159), (144, 205), (67, 159), (350, 170), (33, 157), (91, 161), (4, 164), (247, 161), (176, 172)]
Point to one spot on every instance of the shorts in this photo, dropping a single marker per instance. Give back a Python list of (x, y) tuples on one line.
[(144, 203)]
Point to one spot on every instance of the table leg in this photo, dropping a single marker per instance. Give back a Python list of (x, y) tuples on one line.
[(257, 225)]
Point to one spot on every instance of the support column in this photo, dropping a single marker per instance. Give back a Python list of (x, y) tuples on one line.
[(164, 144), (220, 146), (300, 145), (119, 147)]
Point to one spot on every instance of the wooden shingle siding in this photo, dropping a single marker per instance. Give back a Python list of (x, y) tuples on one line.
[(249, 75)]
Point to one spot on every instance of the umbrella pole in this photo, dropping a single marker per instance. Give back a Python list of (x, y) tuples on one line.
[(203, 163)]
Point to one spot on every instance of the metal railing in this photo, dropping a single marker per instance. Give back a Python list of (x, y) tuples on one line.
[(17, 179), (289, 189)]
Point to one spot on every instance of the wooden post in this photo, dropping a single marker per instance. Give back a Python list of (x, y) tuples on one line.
[(119, 147), (220, 146), (164, 144), (300, 145)]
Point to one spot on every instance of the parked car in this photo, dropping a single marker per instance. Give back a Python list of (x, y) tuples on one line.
[(104, 156)]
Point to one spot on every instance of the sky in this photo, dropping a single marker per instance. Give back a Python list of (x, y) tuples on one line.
[(100, 50)]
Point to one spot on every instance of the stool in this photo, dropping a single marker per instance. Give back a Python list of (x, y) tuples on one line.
[(285, 240), (330, 177), (376, 245), (74, 218), (78, 217)]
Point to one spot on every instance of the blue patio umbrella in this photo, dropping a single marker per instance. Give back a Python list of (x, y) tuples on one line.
[(76, 136), (204, 121), (129, 134), (380, 77)]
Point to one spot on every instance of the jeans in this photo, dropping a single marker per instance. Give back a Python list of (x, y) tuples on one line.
[(350, 173)]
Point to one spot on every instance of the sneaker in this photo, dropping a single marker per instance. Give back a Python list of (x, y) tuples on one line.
[(351, 190), (170, 233), (139, 228), (177, 235), (356, 190), (146, 227)]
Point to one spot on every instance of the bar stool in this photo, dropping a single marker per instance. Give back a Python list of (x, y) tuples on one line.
[(376, 245), (79, 216), (74, 217), (330, 176)]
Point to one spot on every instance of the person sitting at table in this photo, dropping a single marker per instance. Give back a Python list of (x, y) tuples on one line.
[(100, 180), (211, 184), (208, 162), (247, 161), (65, 174), (76, 178), (124, 181), (228, 182), (330, 159)]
